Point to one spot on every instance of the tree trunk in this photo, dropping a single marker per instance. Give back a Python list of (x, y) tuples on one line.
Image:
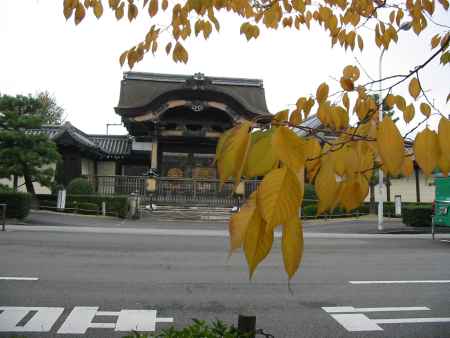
[(29, 183), (372, 206), (15, 182), (388, 188)]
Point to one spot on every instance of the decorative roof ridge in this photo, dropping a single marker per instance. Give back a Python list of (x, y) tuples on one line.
[(182, 78)]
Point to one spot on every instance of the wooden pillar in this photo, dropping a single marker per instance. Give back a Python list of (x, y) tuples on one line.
[(154, 163), (388, 188), (417, 175)]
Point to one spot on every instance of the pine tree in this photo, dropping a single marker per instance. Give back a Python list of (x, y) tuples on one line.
[(23, 153)]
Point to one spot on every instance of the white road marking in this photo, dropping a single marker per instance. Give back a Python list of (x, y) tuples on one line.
[(400, 281), (41, 321), (412, 320), (445, 240), (351, 309), (81, 318), (19, 278), (355, 322)]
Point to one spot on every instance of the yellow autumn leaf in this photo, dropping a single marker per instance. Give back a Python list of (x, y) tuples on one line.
[(153, 8), (444, 165), (414, 88), (444, 137), (426, 150), (234, 152), (425, 109), (312, 153), (351, 72), (123, 57), (326, 187), (80, 12), (281, 116), (322, 92), (435, 41), (98, 9), (292, 245), (241, 220), (390, 146), (288, 147), (407, 166), (279, 196), (408, 113), (353, 192), (400, 102), (360, 43), (347, 84), (260, 159), (308, 105), (257, 243), (221, 142), (295, 118), (389, 101)]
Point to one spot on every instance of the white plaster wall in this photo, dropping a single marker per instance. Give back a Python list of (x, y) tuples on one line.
[(87, 167), (106, 168), (106, 184), (406, 187)]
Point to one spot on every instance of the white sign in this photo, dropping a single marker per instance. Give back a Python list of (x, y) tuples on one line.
[(78, 321), (353, 320)]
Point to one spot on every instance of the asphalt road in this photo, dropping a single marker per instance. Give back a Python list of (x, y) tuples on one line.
[(185, 277)]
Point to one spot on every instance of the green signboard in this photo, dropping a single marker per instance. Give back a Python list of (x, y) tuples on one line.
[(442, 201)]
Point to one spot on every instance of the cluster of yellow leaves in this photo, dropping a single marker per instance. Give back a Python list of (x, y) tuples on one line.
[(432, 149), (279, 155), (341, 18)]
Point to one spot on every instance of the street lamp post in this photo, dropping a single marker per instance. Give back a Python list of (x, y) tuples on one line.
[(405, 26)]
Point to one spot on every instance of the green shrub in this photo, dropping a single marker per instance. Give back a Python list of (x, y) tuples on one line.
[(5, 188), (117, 205), (199, 329), (18, 204), (309, 210), (85, 208), (417, 216), (79, 186)]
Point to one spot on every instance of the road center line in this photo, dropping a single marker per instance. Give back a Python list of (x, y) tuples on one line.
[(411, 320), (351, 309), (19, 278), (400, 281)]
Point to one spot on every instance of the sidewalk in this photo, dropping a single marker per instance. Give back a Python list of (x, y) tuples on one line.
[(345, 226)]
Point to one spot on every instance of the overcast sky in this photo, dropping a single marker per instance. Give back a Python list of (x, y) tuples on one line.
[(40, 51)]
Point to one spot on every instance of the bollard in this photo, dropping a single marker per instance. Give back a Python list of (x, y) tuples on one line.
[(247, 326), (3, 216), (104, 208)]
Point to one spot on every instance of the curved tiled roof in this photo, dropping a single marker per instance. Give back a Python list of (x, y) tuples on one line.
[(141, 90), (106, 146)]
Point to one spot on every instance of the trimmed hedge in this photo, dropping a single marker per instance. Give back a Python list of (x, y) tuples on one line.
[(18, 204), (86, 208), (311, 210), (79, 186), (116, 205), (417, 216)]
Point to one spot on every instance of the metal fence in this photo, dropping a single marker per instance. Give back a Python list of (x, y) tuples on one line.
[(174, 190)]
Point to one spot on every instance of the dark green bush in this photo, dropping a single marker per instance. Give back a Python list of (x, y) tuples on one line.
[(417, 216), (18, 204), (85, 208), (79, 186), (117, 205), (5, 188), (199, 329)]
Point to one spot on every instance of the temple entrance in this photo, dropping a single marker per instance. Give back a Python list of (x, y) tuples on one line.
[(176, 122)]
